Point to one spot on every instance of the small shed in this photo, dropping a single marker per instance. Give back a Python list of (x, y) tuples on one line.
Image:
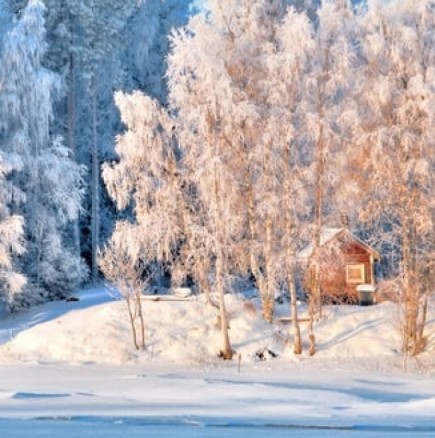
[(345, 262)]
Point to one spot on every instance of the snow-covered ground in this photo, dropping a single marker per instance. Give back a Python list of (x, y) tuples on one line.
[(67, 369)]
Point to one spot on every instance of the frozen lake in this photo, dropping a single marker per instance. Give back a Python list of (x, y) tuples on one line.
[(113, 427), (135, 401), (132, 401)]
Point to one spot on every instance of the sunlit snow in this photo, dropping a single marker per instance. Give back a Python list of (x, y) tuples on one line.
[(77, 373)]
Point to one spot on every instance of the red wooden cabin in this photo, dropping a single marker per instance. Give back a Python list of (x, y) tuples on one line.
[(345, 262)]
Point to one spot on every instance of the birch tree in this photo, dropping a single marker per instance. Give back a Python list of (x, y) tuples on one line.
[(295, 38), (147, 178), (253, 139), (121, 265), (148, 182), (247, 31), (330, 112), (200, 93), (397, 104)]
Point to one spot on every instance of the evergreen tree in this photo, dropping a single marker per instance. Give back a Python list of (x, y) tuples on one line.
[(49, 180), (99, 47)]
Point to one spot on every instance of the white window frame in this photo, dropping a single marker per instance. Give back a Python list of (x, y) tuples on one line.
[(361, 279)]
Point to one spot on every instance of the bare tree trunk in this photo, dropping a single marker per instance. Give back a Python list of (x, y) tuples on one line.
[(269, 298), (410, 292), (95, 187), (290, 253), (311, 335), (259, 278), (39, 237), (132, 324), (318, 222), (262, 283), (297, 343), (226, 350), (421, 324), (71, 123), (141, 319), (315, 297), (426, 272)]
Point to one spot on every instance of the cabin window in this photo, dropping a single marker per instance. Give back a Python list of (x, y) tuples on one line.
[(355, 274)]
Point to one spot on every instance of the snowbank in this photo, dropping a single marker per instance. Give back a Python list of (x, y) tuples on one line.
[(176, 331), (185, 332)]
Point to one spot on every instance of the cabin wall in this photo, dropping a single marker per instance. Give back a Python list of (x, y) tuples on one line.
[(336, 278)]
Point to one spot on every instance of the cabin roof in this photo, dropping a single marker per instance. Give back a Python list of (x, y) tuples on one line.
[(328, 234)]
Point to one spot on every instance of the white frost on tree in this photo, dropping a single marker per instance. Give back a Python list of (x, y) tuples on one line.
[(48, 178), (146, 178), (99, 47), (295, 37), (11, 237), (397, 149)]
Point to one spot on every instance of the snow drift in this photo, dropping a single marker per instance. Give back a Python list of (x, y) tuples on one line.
[(186, 332)]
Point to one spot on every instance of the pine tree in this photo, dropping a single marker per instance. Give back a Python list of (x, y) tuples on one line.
[(48, 178), (11, 234), (100, 47)]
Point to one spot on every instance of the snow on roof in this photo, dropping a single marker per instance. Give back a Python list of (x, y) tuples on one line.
[(328, 234)]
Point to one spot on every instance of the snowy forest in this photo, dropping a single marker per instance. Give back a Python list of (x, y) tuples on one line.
[(147, 139)]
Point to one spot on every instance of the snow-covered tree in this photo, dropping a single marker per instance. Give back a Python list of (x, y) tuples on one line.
[(4, 17), (60, 67), (99, 47), (295, 38), (202, 70), (330, 113), (148, 44), (99, 27), (146, 179), (236, 130), (397, 150), (123, 266), (149, 180), (48, 178), (11, 235), (245, 40), (11, 225)]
